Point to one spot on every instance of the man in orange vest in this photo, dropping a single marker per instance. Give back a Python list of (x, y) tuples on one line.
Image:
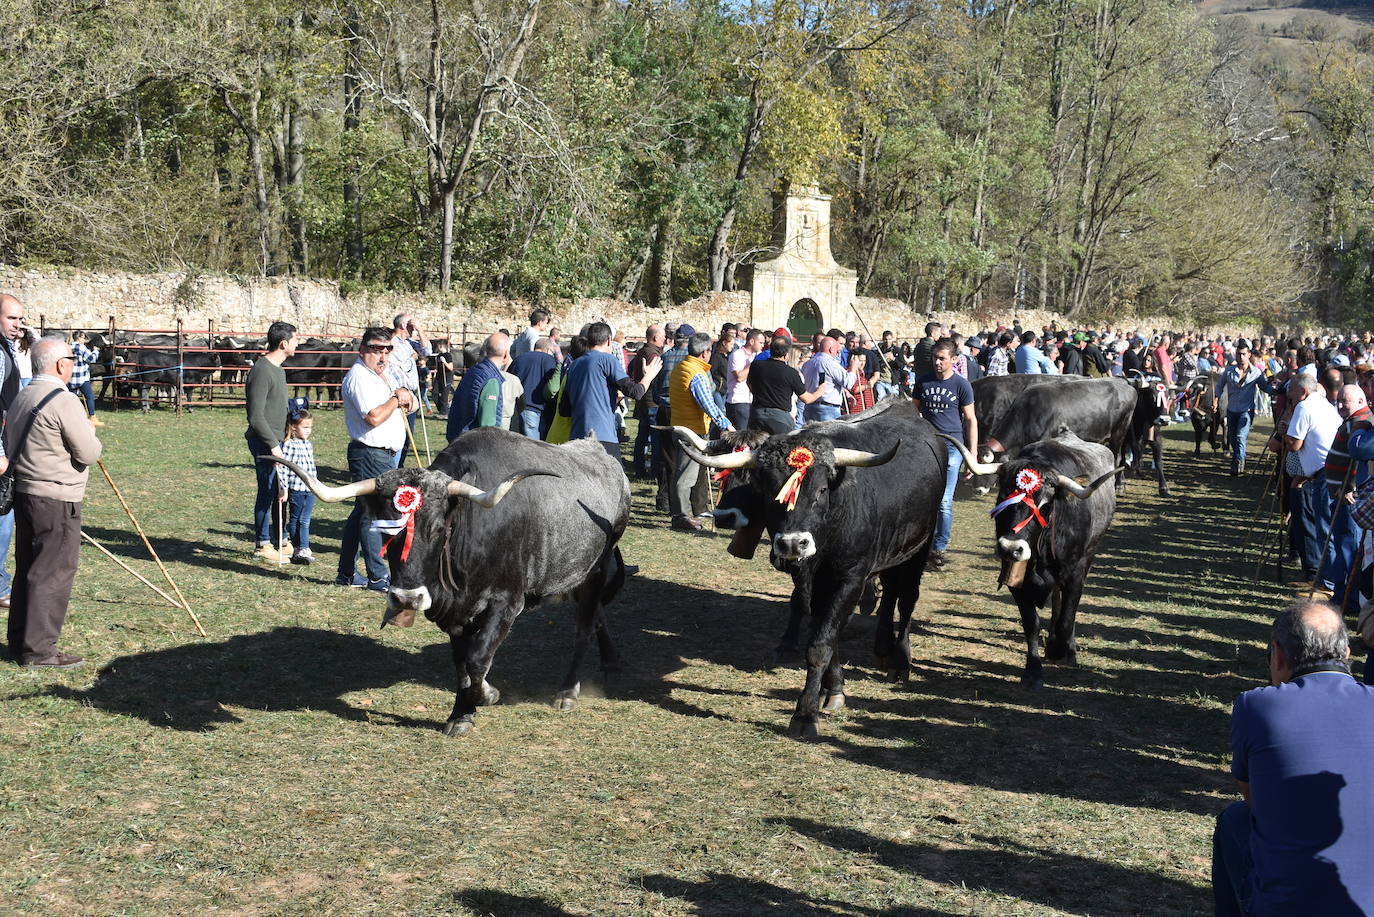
[(693, 406)]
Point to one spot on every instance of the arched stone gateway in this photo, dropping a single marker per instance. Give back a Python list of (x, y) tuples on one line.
[(804, 283), (804, 319)]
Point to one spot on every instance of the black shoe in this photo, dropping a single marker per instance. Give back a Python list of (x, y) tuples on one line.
[(686, 524), (357, 582), (937, 560)]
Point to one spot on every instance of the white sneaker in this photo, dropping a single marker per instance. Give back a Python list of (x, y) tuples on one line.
[(303, 557)]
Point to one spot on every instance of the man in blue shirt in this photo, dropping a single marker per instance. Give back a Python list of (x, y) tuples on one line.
[(1239, 381), (592, 384), (1302, 751), (945, 398), (533, 368), (1031, 359), (824, 366)]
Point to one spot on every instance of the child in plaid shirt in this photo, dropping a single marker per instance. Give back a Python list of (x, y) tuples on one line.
[(294, 492), (81, 374)]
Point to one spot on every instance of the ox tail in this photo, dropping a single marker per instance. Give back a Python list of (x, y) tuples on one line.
[(615, 576)]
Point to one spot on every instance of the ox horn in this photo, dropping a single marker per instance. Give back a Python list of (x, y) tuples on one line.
[(1084, 491), (325, 493), (689, 435), (728, 460), (857, 458), (490, 498), (973, 464)]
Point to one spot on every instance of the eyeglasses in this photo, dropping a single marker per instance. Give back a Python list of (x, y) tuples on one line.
[(379, 348), (72, 359)]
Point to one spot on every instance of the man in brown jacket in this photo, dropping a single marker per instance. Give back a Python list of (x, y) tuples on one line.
[(50, 468)]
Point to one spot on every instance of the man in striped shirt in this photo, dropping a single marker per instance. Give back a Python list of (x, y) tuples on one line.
[(1001, 355), (1345, 534)]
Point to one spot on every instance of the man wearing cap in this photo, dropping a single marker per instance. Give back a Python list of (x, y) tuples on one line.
[(1071, 357)]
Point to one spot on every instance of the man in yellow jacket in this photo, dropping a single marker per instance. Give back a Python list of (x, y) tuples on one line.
[(693, 405)]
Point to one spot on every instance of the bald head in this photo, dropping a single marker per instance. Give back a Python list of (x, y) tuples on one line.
[(11, 316), (1350, 400), (1307, 633), (47, 352), (497, 346)]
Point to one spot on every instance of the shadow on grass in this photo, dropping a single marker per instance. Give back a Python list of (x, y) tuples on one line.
[(1079, 885), (492, 903), (723, 895)]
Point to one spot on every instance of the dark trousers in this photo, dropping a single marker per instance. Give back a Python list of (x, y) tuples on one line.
[(46, 548), (1231, 862), (363, 462), (737, 412), (772, 420), (646, 441), (86, 393), (410, 422)]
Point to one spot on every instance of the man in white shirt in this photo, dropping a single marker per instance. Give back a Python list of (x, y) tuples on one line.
[(411, 345), (375, 410), (539, 327), (738, 399), (1310, 432)]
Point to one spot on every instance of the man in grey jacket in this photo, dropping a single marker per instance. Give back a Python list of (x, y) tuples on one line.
[(50, 448)]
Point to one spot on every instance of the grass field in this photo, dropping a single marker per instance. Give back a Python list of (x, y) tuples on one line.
[(291, 764)]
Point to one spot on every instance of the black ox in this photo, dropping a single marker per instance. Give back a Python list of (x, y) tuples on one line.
[(993, 397), (478, 548), (866, 505), (1051, 516)]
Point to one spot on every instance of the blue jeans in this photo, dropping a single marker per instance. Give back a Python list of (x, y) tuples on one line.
[(6, 536), (302, 504), (266, 524), (819, 410), (1313, 505), (645, 450), (882, 389), (1238, 432), (87, 393), (1340, 554), (944, 526), (528, 422), (363, 462), (1231, 861)]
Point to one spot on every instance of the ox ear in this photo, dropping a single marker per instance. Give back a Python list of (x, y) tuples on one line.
[(489, 498)]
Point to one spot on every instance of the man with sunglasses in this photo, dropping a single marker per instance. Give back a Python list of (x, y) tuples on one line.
[(375, 413)]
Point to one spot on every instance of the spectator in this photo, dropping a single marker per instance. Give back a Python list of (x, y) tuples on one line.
[(411, 346), (693, 407), (1300, 752), (920, 354), (265, 397), (823, 366), (645, 457), (889, 367), (11, 326), (946, 400), (555, 337), (1095, 362), (538, 328), (81, 374), (1239, 381), (441, 379), (1310, 431), (479, 402), (773, 385), (298, 502), (1031, 359), (1341, 483), (738, 397), (375, 409), (591, 388), (23, 355), (1000, 358), (533, 368), (1071, 356), (51, 444)]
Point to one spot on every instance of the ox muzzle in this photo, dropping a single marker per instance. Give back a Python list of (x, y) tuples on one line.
[(403, 604), (794, 546), (1017, 550)]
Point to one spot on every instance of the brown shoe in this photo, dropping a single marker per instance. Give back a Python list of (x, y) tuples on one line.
[(96, 421), (686, 524), (55, 661), (4, 601)]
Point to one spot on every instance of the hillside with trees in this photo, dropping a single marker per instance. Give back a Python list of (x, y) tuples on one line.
[(1089, 156)]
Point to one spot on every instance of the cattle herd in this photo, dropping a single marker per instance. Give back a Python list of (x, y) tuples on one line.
[(499, 522)]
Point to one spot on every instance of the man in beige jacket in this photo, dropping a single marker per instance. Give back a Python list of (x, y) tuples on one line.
[(50, 469)]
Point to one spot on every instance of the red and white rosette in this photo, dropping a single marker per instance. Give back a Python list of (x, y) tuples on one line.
[(1028, 481), (407, 500)]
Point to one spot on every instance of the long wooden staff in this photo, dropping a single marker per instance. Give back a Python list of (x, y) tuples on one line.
[(139, 576), (151, 550)]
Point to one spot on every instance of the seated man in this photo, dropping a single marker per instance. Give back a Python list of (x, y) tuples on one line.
[(1302, 751)]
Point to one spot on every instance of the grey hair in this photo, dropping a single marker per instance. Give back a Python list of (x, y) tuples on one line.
[(497, 345), (698, 344), (1306, 384), (47, 352), (1308, 640)]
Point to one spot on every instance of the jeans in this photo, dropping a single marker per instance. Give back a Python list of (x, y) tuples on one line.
[(771, 420), (645, 452), (527, 423), (1312, 505), (1231, 861), (87, 393), (1340, 553), (363, 462), (819, 410), (882, 389), (6, 536), (944, 526), (738, 413), (1238, 432), (266, 523), (302, 504)]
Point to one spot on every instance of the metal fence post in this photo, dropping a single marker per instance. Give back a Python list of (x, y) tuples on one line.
[(181, 368)]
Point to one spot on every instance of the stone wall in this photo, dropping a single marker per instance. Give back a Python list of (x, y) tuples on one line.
[(69, 298)]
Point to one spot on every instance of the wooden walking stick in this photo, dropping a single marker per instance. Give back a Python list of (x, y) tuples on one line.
[(425, 430), (149, 545), (281, 530), (410, 438), (139, 576)]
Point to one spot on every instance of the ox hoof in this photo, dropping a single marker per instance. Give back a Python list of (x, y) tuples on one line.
[(833, 703), (803, 729), (489, 697), (1032, 682), (564, 701), (459, 727), (1164, 492)]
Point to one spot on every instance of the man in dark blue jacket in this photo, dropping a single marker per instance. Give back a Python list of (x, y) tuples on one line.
[(533, 368)]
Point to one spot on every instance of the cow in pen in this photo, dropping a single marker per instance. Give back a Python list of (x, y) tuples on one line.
[(1051, 514), (883, 474), (497, 522)]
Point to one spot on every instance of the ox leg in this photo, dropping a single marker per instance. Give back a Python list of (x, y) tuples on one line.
[(834, 599), (1033, 677), (588, 597), (892, 641), (1063, 645), (788, 651), (1158, 450), (460, 720), (473, 652)]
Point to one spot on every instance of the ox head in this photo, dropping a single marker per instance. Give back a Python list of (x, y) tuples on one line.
[(793, 477), (1153, 394), (1026, 497), (414, 510)]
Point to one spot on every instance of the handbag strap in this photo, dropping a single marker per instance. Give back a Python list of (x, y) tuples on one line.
[(32, 416)]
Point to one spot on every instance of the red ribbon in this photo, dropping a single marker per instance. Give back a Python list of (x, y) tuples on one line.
[(1028, 481), (407, 500), (800, 459)]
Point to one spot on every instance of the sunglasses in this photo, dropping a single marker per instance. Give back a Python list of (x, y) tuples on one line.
[(379, 348)]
